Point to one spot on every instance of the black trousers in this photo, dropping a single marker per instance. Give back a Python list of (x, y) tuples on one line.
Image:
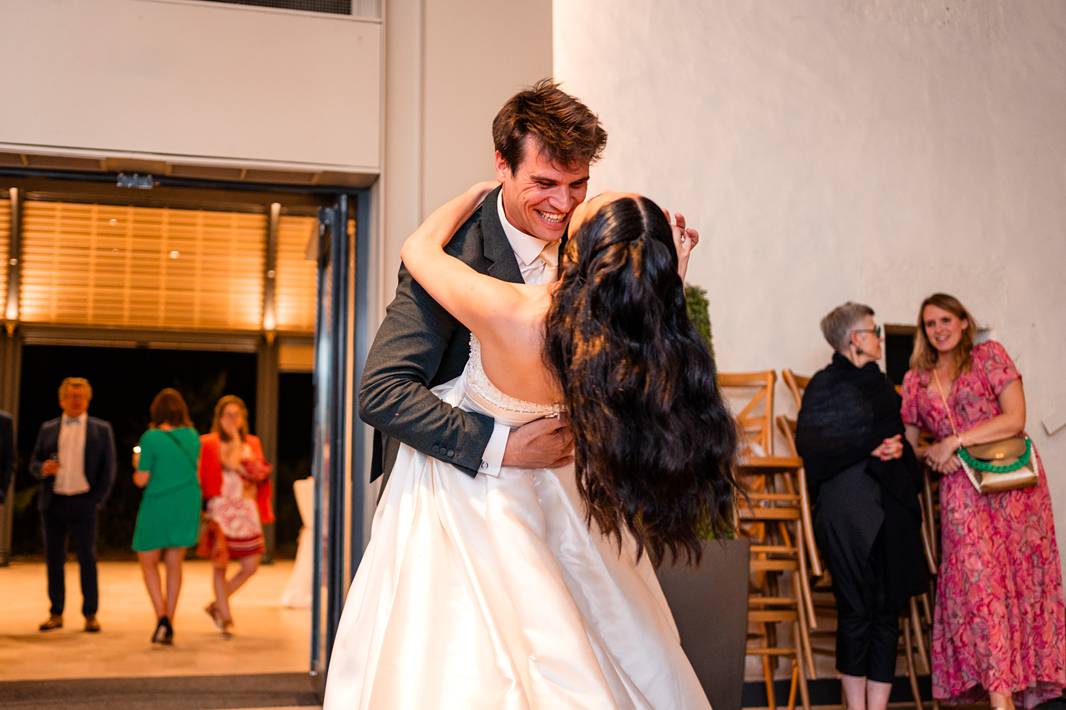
[(73, 517), (868, 638)]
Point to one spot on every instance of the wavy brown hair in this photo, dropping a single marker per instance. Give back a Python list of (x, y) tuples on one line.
[(654, 443), (220, 407), (924, 355), (566, 130), (168, 407)]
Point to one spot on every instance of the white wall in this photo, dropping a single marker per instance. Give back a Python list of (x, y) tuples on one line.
[(450, 66), (204, 82), (873, 150)]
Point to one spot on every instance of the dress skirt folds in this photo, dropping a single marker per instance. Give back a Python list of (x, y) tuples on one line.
[(492, 592)]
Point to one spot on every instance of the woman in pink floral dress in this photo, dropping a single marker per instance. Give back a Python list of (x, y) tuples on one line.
[(999, 629)]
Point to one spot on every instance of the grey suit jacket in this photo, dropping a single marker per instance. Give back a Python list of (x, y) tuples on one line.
[(418, 346)]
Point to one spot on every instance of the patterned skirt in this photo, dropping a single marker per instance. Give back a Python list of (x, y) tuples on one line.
[(237, 517)]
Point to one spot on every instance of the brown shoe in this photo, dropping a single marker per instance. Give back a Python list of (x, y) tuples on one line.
[(55, 621), (92, 625)]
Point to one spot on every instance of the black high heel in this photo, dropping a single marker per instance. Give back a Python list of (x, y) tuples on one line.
[(160, 630), (168, 635)]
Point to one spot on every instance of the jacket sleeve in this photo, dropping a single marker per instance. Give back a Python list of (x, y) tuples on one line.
[(394, 396), (39, 455), (264, 489), (107, 463)]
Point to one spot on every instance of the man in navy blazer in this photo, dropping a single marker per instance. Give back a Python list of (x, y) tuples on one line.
[(74, 458)]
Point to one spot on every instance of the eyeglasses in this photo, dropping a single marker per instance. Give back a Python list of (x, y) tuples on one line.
[(876, 330)]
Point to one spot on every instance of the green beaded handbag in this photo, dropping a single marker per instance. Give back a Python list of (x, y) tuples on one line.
[(1002, 465)]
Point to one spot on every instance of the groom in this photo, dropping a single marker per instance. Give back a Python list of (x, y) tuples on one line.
[(545, 141)]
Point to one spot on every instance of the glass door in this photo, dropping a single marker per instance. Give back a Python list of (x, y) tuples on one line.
[(330, 425), (341, 444)]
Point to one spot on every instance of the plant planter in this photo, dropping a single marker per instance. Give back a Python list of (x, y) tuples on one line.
[(710, 606)]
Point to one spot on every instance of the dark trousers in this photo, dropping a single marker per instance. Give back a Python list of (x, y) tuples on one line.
[(868, 638), (74, 517)]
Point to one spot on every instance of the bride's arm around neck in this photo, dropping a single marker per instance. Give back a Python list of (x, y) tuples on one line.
[(479, 302)]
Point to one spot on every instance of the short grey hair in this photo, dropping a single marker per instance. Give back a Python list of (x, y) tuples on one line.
[(839, 322)]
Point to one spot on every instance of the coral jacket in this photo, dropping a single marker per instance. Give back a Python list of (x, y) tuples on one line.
[(211, 472)]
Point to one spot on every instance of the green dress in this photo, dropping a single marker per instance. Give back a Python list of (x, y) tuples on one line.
[(169, 515)]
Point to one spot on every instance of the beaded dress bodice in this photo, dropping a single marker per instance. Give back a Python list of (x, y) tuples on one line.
[(479, 394)]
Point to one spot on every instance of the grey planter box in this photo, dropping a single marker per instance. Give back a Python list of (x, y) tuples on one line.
[(710, 606)]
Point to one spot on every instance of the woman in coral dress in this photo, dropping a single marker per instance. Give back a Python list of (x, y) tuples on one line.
[(999, 629)]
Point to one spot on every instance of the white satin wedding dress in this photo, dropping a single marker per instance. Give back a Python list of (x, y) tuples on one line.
[(491, 592)]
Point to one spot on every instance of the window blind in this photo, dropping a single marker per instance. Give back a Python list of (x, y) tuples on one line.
[(294, 283), (121, 266)]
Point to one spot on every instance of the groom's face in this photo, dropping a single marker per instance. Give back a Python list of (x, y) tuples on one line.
[(539, 197)]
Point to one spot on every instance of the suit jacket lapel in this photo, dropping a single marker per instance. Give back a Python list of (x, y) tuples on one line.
[(494, 242)]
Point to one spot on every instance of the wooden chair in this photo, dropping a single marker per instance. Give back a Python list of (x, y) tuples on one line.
[(915, 620), (796, 384), (778, 559), (755, 419)]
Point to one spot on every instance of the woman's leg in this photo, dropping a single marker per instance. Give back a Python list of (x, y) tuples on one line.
[(172, 558), (150, 570), (221, 598), (877, 694), (1001, 700), (854, 691), (248, 567)]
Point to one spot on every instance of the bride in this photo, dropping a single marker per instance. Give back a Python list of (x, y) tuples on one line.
[(536, 588)]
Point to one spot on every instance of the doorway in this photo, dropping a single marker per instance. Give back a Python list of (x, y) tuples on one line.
[(288, 354)]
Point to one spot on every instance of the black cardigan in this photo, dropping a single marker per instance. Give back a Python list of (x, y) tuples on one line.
[(847, 412)]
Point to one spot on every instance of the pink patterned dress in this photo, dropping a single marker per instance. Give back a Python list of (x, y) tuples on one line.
[(1000, 620)]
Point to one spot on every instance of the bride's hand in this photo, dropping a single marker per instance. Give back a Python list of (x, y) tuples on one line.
[(685, 240)]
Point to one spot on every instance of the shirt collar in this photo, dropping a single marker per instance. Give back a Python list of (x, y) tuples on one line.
[(526, 247), (80, 419)]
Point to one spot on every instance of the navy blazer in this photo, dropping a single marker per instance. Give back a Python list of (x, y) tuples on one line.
[(99, 459)]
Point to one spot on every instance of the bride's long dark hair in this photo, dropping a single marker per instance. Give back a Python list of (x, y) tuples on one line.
[(654, 442)]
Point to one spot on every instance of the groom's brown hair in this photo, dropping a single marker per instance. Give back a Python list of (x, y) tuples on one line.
[(567, 131)]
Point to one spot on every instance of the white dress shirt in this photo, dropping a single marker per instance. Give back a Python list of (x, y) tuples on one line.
[(538, 262), (71, 480)]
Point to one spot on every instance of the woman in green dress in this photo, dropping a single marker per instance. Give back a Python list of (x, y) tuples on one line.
[(168, 520)]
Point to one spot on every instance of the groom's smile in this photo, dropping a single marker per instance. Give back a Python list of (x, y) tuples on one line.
[(540, 196)]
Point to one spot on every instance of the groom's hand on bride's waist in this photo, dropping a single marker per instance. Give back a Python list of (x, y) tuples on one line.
[(543, 443)]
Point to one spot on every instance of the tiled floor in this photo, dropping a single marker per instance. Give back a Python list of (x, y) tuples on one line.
[(268, 638)]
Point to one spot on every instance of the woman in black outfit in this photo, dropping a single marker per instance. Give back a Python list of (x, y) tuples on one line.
[(863, 479)]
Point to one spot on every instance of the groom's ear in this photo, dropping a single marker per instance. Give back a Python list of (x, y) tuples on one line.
[(503, 170)]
